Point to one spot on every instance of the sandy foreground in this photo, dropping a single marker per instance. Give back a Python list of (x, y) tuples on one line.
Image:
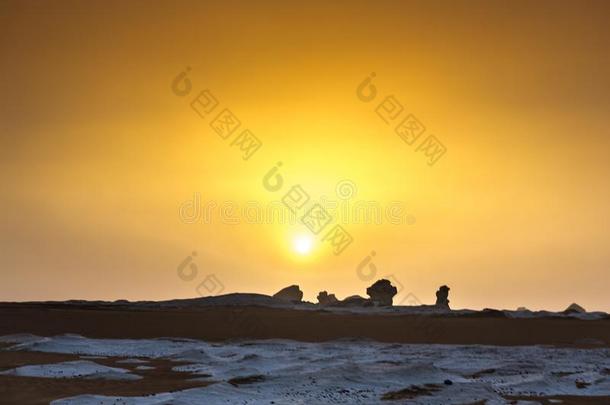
[(33, 390), (71, 369), (95, 354)]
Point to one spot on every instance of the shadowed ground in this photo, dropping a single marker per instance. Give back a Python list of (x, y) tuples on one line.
[(221, 323)]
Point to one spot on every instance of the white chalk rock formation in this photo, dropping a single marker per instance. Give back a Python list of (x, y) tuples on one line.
[(289, 294)]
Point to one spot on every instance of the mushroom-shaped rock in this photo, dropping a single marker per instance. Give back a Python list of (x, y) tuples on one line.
[(382, 292), (442, 296), (325, 298), (289, 294), (575, 309)]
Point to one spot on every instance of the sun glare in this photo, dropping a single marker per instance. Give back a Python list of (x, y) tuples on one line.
[(303, 244)]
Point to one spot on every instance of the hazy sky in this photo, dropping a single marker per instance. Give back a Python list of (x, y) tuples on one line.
[(98, 154)]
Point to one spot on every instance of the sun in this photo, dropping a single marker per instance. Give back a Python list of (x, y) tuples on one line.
[(303, 244)]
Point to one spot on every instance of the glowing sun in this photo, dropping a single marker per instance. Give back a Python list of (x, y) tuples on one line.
[(303, 244)]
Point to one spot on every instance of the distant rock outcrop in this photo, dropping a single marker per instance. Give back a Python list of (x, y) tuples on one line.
[(325, 298), (442, 297), (289, 294), (355, 301), (521, 309), (575, 308), (382, 292)]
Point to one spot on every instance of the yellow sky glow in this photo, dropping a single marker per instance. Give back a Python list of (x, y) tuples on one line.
[(98, 154)]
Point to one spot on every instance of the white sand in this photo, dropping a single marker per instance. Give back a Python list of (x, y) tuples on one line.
[(349, 371)]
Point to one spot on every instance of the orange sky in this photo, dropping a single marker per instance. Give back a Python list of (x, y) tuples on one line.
[(97, 154)]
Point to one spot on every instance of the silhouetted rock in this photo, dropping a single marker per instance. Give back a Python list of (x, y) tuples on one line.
[(490, 312), (442, 296), (289, 294), (575, 308), (355, 301), (382, 292), (325, 298), (522, 309)]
